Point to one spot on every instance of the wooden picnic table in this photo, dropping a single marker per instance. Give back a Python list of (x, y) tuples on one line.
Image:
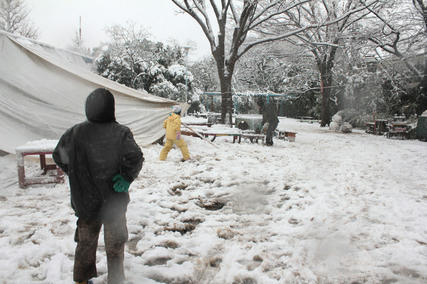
[(237, 134), (40, 148), (399, 129), (378, 127)]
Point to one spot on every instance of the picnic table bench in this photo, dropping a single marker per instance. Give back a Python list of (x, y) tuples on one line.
[(252, 136), (378, 127), (236, 136)]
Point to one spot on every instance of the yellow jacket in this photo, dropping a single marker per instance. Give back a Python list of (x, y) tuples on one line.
[(172, 125)]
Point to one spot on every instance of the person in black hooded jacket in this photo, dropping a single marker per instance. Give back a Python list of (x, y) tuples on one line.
[(269, 115), (101, 159)]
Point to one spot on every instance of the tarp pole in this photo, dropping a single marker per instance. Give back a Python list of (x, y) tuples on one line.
[(198, 134)]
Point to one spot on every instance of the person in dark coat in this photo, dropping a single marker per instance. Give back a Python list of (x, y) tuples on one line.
[(101, 159), (269, 115)]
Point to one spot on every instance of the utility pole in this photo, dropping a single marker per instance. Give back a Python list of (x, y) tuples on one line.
[(186, 51), (80, 29)]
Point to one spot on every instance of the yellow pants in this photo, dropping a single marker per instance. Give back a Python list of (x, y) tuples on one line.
[(168, 146)]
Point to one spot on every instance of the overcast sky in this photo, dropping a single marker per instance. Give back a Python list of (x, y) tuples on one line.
[(58, 21)]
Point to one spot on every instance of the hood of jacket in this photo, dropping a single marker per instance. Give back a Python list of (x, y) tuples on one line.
[(100, 106), (173, 116)]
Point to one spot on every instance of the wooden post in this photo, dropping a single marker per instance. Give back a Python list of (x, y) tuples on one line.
[(21, 170), (375, 124), (43, 163)]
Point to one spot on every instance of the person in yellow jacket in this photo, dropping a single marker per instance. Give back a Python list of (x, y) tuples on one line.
[(173, 135)]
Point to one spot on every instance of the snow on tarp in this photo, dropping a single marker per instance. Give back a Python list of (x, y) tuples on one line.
[(43, 93)]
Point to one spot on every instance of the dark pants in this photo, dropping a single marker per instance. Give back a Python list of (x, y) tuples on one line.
[(86, 236), (270, 131)]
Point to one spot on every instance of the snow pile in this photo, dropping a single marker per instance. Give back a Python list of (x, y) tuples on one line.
[(338, 124), (329, 208)]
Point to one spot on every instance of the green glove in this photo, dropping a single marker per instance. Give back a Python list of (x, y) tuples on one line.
[(120, 184)]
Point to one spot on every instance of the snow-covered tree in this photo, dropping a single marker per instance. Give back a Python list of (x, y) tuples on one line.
[(14, 19), (179, 74), (276, 67), (164, 89), (132, 59), (205, 74)]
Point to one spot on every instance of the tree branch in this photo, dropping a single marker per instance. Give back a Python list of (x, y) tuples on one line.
[(215, 8), (255, 24), (206, 28), (233, 11), (292, 33)]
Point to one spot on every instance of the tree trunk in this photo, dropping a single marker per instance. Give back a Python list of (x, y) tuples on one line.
[(325, 91), (226, 100), (225, 74)]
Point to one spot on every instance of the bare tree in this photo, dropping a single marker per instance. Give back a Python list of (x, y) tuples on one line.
[(246, 16), (317, 25), (278, 67), (421, 7), (14, 18), (402, 32), (205, 75), (336, 20)]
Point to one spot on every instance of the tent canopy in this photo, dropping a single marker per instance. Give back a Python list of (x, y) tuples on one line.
[(43, 92)]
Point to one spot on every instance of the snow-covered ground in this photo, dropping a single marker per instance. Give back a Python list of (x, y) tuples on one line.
[(328, 208)]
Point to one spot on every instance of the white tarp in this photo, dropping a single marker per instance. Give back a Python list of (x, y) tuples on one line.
[(43, 92)]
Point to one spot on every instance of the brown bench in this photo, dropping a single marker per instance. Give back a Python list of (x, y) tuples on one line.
[(287, 135)]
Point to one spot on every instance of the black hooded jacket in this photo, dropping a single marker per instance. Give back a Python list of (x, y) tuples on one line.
[(269, 114), (92, 153)]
